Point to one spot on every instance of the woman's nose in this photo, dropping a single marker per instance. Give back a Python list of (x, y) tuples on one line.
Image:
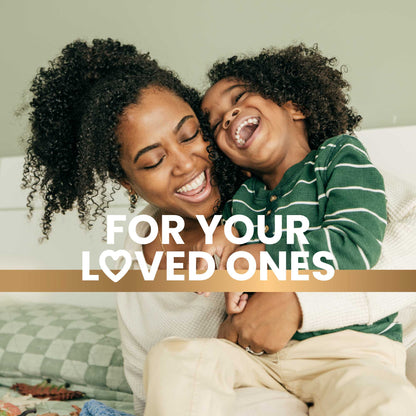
[(229, 117), (183, 162)]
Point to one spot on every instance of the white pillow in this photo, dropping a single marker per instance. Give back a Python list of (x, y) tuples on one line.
[(399, 245)]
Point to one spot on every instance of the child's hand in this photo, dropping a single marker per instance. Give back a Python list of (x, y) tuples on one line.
[(205, 294), (235, 302), (220, 246)]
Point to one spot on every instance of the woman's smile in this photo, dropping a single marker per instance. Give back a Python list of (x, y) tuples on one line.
[(197, 189)]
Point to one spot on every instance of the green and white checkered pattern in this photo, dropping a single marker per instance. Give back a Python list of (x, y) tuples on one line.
[(65, 343)]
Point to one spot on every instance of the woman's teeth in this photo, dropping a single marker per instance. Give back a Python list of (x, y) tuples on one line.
[(250, 122), (196, 183)]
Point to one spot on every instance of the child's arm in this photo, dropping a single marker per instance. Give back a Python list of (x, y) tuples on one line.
[(235, 302), (352, 197), (220, 246)]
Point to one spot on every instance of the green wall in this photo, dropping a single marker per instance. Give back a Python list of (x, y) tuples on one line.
[(374, 38)]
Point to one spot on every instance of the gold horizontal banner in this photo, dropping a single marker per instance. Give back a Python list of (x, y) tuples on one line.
[(220, 281)]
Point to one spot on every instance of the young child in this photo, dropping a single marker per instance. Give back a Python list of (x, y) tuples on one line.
[(283, 116)]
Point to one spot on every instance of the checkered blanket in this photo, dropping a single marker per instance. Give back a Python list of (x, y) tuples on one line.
[(65, 343)]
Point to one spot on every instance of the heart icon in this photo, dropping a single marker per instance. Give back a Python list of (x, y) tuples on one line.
[(115, 255)]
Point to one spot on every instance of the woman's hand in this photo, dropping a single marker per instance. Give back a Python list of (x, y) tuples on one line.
[(267, 323)]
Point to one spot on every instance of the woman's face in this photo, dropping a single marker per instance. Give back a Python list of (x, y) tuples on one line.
[(164, 155), (254, 132)]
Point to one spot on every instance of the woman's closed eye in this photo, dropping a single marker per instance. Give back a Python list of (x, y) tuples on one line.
[(188, 139), (156, 164), (184, 140)]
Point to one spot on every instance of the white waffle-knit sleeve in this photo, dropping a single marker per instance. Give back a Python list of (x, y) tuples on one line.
[(134, 357), (329, 310)]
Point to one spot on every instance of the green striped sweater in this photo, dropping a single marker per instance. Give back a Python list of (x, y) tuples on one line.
[(342, 194)]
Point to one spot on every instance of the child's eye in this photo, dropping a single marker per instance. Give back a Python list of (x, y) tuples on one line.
[(191, 138), (239, 96), (214, 128)]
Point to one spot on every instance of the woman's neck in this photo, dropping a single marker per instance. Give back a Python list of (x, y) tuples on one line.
[(190, 235), (191, 228)]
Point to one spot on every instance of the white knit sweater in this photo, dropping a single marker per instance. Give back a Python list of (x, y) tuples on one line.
[(147, 318)]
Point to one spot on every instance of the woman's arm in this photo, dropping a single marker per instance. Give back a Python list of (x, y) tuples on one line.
[(267, 323), (271, 319), (133, 355), (328, 310)]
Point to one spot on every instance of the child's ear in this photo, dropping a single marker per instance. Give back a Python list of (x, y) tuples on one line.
[(294, 110)]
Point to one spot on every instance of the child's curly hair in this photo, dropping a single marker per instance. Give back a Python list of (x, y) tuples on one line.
[(298, 74), (77, 102)]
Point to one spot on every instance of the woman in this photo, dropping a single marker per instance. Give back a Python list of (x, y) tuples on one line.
[(105, 111)]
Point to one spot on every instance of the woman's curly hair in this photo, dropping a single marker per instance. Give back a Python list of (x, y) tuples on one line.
[(227, 176), (77, 102), (298, 74)]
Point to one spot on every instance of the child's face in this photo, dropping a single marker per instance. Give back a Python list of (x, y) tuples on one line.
[(254, 132)]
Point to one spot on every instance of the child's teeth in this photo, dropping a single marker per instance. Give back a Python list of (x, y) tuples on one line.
[(239, 140)]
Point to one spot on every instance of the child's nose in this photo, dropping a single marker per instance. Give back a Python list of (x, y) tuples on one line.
[(229, 117)]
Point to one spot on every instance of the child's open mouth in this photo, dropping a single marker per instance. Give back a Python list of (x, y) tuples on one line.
[(245, 130)]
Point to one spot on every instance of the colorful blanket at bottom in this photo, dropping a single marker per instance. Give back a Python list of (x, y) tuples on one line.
[(96, 408)]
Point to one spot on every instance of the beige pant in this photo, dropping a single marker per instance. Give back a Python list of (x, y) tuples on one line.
[(344, 373)]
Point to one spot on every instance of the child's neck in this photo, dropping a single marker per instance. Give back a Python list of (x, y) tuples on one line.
[(273, 176)]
